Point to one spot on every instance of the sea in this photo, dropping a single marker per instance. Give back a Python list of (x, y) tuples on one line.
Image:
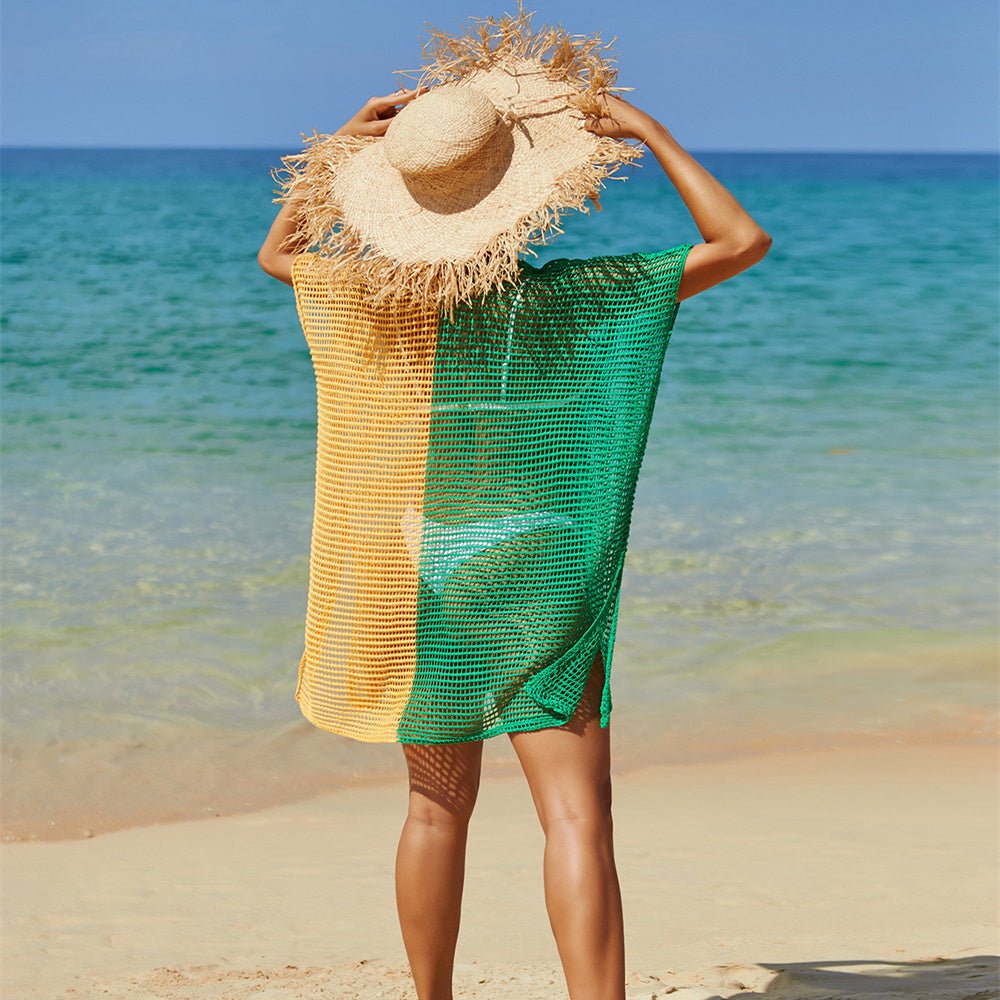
[(813, 560)]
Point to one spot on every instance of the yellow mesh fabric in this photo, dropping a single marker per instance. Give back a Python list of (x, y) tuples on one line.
[(373, 379), (474, 485)]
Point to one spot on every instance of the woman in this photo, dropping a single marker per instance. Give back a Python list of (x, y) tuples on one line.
[(567, 765)]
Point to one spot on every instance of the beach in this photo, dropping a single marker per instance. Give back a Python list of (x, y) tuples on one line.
[(805, 668), (848, 872)]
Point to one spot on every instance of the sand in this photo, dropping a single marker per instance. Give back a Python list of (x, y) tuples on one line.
[(849, 873)]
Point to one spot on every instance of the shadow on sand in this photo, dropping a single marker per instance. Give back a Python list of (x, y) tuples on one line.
[(976, 977)]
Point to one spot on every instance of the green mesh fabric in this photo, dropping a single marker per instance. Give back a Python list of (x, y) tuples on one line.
[(540, 411)]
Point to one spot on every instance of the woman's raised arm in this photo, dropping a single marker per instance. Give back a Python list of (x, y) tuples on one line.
[(275, 261), (733, 241), (373, 119)]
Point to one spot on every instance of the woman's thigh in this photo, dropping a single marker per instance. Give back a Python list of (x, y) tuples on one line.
[(444, 779), (568, 767)]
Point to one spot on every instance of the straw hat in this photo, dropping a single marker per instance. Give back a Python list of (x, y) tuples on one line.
[(469, 173)]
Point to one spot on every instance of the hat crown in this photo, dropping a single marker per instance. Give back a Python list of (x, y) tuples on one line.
[(440, 130)]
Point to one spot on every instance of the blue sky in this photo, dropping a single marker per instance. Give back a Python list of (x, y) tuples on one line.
[(722, 75)]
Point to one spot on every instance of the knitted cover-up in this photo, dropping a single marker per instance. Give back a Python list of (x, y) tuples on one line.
[(475, 479)]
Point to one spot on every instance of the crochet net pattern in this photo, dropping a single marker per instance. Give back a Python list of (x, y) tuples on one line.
[(475, 478)]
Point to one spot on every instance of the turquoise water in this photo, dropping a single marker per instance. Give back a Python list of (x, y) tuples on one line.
[(814, 544)]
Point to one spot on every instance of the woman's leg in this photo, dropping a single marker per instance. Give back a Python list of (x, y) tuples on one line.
[(569, 771), (430, 861)]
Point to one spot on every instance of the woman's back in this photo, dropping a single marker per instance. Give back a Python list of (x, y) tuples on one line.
[(474, 493)]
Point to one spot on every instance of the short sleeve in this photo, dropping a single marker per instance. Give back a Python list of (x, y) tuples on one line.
[(301, 264), (666, 267)]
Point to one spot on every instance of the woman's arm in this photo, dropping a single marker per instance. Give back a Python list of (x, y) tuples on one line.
[(278, 263), (733, 241), (372, 119)]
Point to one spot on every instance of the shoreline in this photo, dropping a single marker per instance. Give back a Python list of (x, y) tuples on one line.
[(78, 791), (760, 699), (852, 870), (755, 700)]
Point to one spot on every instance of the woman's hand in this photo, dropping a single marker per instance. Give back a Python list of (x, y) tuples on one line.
[(621, 120), (733, 241), (378, 112), (373, 119)]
